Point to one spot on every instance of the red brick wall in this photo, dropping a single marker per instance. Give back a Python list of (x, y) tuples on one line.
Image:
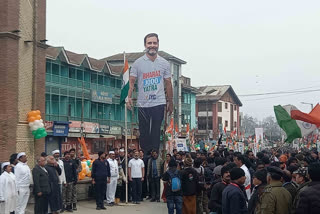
[(9, 16)]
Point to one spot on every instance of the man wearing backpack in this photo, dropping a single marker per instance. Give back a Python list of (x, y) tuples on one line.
[(173, 190)]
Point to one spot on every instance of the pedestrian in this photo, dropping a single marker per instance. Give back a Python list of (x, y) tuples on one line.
[(8, 190), (189, 185), (41, 186), (136, 177), (154, 92), (62, 176), (23, 181), (303, 181), (240, 161), (70, 170), (100, 175), (309, 202), (55, 196), (200, 170), (291, 186), (259, 182), (121, 183), (13, 161), (145, 159), (77, 162), (114, 175), (173, 194), (233, 197), (154, 174), (215, 203), (275, 198), (165, 167)]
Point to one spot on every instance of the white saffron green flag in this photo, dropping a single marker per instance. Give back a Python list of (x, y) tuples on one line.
[(293, 128), (125, 83)]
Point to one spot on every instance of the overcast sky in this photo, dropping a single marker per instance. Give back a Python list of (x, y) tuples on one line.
[(255, 46)]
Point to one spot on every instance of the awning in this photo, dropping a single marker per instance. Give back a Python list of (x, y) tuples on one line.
[(108, 136), (92, 136)]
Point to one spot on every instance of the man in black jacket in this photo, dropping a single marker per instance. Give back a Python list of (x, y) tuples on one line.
[(215, 203), (233, 198), (77, 162), (41, 187), (100, 177), (309, 202), (70, 170)]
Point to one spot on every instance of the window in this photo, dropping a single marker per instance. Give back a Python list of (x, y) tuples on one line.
[(202, 106), (219, 120), (63, 105), (48, 103), (94, 110), (226, 105), (79, 75), (219, 107), (55, 104), (55, 69), (64, 71), (226, 123), (72, 73), (235, 107), (94, 78), (87, 76), (100, 79), (48, 67), (72, 106), (235, 125), (112, 82)]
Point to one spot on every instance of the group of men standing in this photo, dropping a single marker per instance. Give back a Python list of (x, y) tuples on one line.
[(54, 183)]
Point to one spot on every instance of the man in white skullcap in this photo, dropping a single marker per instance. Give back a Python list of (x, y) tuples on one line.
[(8, 191), (114, 172), (62, 177), (23, 181)]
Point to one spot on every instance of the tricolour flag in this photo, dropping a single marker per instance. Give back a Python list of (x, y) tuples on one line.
[(313, 117), (293, 128), (125, 82)]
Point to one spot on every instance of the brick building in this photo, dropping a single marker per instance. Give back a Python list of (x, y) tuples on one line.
[(22, 70), (217, 108)]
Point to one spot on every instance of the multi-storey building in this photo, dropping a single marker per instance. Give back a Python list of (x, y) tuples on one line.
[(217, 110), (80, 88), (188, 104)]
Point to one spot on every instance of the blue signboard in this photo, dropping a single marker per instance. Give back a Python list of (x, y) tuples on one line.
[(101, 96), (60, 128)]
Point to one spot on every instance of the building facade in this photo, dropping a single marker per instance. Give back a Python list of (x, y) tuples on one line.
[(217, 111), (22, 85), (188, 104), (83, 95)]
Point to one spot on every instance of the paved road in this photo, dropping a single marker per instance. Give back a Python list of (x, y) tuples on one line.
[(89, 207)]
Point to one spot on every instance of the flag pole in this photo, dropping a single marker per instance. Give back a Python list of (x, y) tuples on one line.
[(126, 136)]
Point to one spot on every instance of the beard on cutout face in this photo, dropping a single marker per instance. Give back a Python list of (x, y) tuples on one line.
[(151, 51)]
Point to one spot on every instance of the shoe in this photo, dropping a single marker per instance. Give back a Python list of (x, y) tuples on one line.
[(69, 209), (110, 204), (152, 200), (74, 207), (158, 200), (98, 208), (63, 209), (137, 202), (148, 198), (103, 208)]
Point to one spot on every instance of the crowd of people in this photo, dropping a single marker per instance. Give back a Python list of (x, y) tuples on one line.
[(218, 182)]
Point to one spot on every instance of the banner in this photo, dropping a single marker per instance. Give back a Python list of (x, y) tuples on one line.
[(75, 126), (181, 144)]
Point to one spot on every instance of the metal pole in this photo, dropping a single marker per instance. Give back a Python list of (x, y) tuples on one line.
[(126, 148)]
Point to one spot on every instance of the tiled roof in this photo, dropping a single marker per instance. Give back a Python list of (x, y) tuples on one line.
[(82, 59), (215, 93)]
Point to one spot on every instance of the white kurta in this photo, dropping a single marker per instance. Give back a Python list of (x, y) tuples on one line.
[(8, 192), (23, 181), (247, 183), (112, 186), (62, 177)]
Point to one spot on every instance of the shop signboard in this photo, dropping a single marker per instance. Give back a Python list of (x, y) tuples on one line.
[(60, 128), (101, 96), (75, 126), (115, 130), (104, 129)]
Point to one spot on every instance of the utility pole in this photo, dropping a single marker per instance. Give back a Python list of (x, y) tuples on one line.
[(207, 119), (82, 111)]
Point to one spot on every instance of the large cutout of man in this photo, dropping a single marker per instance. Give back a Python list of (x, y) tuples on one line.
[(154, 79)]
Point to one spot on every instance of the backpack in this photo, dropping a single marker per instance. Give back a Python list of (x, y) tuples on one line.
[(202, 180), (175, 181)]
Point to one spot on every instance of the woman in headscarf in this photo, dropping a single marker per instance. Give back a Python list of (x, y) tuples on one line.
[(8, 192)]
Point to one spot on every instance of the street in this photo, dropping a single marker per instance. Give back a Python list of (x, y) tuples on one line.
[(85, 207)]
